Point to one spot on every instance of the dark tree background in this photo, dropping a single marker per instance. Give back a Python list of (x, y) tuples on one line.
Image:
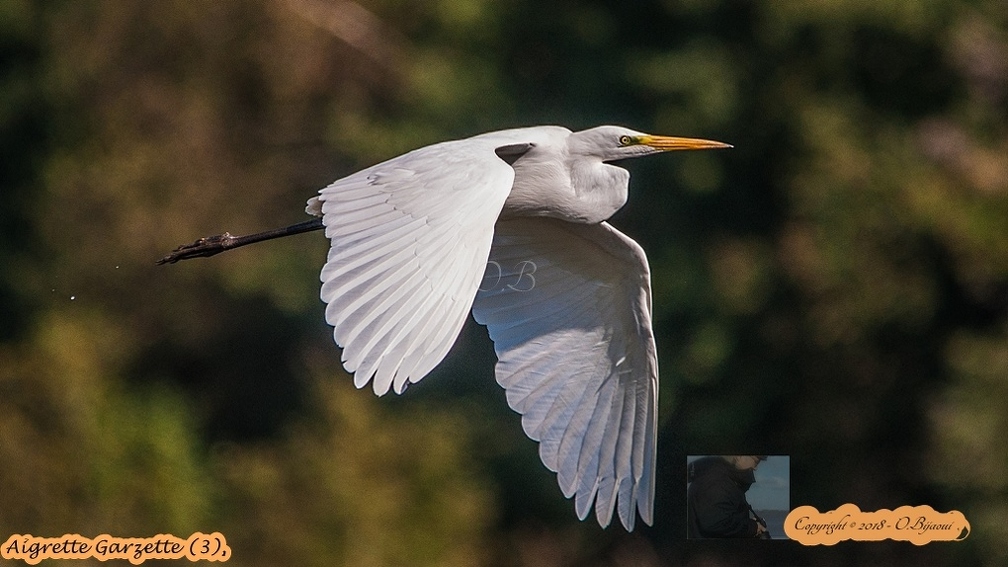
[(835, 288)]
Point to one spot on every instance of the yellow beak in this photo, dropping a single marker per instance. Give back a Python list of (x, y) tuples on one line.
[(669, 143)]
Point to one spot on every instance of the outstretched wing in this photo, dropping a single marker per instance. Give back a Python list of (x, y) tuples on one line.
[(568, 307), (410, 239)]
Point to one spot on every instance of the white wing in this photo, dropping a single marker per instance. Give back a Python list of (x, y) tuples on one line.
[(568, 307), (410, 239)]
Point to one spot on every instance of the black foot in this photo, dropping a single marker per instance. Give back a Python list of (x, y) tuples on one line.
[(216, 244), (200, 249)]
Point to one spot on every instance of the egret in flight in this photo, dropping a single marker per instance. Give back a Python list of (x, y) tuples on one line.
[(511, 226)]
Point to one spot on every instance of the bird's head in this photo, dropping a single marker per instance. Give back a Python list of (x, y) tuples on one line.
[(611, 143)]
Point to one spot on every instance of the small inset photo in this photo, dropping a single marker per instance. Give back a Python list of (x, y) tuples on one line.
[(737, 496)]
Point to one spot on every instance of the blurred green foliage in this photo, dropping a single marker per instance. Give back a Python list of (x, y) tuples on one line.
[(835, 288)]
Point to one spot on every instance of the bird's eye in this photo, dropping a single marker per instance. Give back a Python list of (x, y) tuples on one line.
[(625, 140)]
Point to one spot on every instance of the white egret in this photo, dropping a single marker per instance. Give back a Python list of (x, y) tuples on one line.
[(510, 225)]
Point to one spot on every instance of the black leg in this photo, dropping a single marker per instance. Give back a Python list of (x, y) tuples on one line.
[(216, 244)]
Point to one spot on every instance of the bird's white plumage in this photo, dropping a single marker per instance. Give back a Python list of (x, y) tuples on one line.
[(568, 307), (565, 296), (400, 277)]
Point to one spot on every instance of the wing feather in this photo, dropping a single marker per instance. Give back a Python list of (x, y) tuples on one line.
[(410, 239), (568, 307)]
